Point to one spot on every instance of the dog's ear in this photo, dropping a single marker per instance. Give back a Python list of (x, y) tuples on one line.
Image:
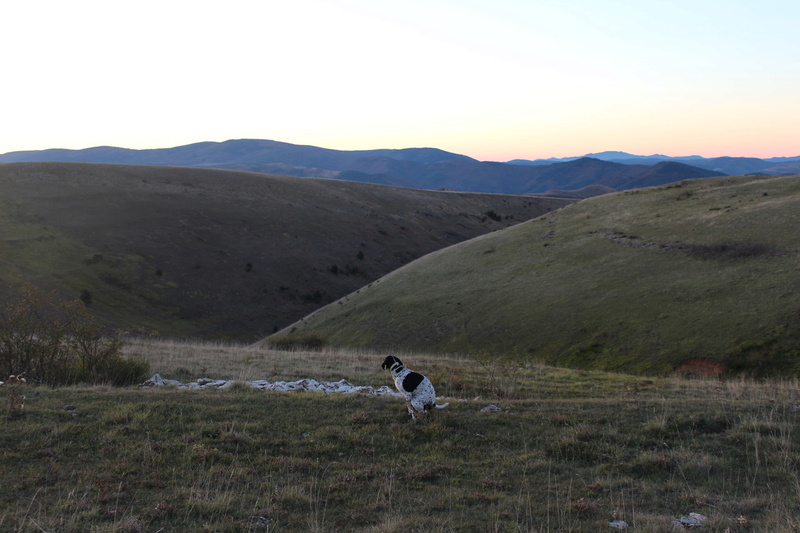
[(389, 362)]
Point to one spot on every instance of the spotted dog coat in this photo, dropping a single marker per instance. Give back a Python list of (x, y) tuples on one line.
[(418, 390)]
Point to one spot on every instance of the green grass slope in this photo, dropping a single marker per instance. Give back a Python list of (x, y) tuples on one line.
[(638, 281), (221, 254)]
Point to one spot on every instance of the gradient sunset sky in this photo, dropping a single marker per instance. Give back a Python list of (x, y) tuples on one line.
[(492, 79)]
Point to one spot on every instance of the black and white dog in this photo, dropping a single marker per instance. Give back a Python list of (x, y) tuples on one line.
[(418, 390)]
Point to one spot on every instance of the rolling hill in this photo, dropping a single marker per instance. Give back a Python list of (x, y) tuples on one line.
[(242, 153), (221, 254), (639, 281), (424, 168)]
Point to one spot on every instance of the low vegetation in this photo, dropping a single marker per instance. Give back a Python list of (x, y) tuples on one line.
[(302, 342), (49, 340), (563, 450)]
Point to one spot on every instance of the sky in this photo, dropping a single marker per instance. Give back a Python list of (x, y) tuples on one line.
[(492, 79)]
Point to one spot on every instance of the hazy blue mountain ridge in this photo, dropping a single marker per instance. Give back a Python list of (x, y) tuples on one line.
[(424, 168), (725, 164)]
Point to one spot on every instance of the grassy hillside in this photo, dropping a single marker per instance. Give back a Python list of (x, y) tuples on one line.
[(567, 451), (223, 254), (638, 281)]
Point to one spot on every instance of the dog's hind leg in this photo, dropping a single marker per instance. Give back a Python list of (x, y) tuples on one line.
[(417, 409)]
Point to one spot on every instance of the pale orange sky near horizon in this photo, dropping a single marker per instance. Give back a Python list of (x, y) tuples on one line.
[(491, 79)]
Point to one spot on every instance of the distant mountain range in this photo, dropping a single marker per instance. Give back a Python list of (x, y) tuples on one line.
[(426, 168), (727, 165)]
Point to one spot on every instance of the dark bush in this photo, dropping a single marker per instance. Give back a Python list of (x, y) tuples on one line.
[(313, 297), (729, 251), (493, 215), (306, 341), (55, 342), (121, 372), (86, 297)]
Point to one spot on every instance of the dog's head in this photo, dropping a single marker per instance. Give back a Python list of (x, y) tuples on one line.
[(391, 362)]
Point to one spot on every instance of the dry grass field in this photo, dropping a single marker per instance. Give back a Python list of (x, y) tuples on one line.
[(566, 450)]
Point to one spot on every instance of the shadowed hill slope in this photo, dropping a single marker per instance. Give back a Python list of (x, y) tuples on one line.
[(638, 281), (222, 254)]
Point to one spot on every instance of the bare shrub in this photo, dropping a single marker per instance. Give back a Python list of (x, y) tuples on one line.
[(502, 376), (306, 341), (55, 342)]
